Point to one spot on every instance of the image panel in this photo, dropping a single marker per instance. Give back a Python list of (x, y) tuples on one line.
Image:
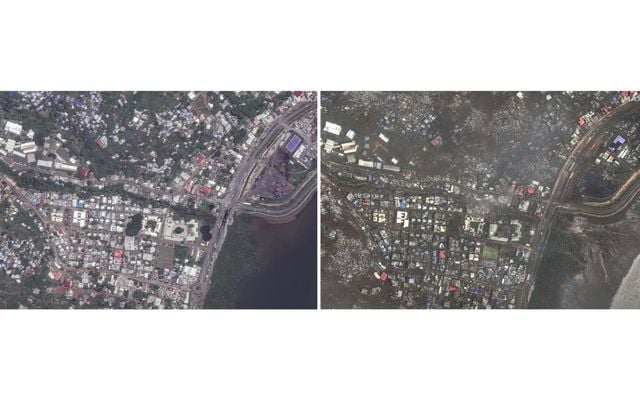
[(491, 200), (158, 200)]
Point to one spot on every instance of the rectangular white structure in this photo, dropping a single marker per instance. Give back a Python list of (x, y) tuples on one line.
[(13, 127), (10, 144), (65, 167), (329, 145), (27, 146), (332, 128), (45, 163)]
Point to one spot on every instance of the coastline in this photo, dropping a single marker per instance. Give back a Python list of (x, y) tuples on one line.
[(626, 296)]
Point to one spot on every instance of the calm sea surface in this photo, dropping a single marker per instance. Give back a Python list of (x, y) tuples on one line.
[(288, 253)]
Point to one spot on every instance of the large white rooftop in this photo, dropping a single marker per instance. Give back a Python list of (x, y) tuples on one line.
[(13, 127), (332, 128)]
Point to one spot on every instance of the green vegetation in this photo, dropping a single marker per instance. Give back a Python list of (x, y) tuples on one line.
[(246, 105), (559, 261), (31, 182), (204, 208), (181, 253), (139, 295), (155, 101), (490, 252), (134, 226), (236, 261), (238, 134), (102, 164), (152, 225), (21, 227), (117, 113), (298, 174)]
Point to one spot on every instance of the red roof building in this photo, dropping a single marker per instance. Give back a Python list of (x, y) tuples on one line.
[(200, 158), (384, 276), (102, 142), (442, 254), (117, 254), (84, 172), (206, 190)]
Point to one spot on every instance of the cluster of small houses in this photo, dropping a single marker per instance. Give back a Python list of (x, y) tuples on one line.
[(412, 233), (88, 235), (18, 256)]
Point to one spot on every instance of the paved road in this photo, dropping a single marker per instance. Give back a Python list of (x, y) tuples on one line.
[(245, 175), (247, 171), (578, 161), (285, 211), (612, 207)]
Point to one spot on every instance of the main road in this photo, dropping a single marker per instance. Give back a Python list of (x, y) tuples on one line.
[(579, 159), (610, 208), (248, 169)]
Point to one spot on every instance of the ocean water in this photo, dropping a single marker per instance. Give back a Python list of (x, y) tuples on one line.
[(288, 255), (628, 294)]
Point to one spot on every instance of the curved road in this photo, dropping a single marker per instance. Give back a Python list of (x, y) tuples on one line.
[(230, 204), (246, 172), (578, 160), (616, 204)]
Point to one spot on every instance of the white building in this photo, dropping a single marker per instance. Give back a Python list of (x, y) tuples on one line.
[(29, 147), (80, 218), (365, 163), (10, 144), (402, 217), (66, 167), (13, 127), (329, 145), (332, 128), (351, 134), (383, 138), (349, 148), (45, 163)]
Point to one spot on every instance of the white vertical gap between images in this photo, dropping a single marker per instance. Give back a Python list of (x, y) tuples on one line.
[(318, 203)]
